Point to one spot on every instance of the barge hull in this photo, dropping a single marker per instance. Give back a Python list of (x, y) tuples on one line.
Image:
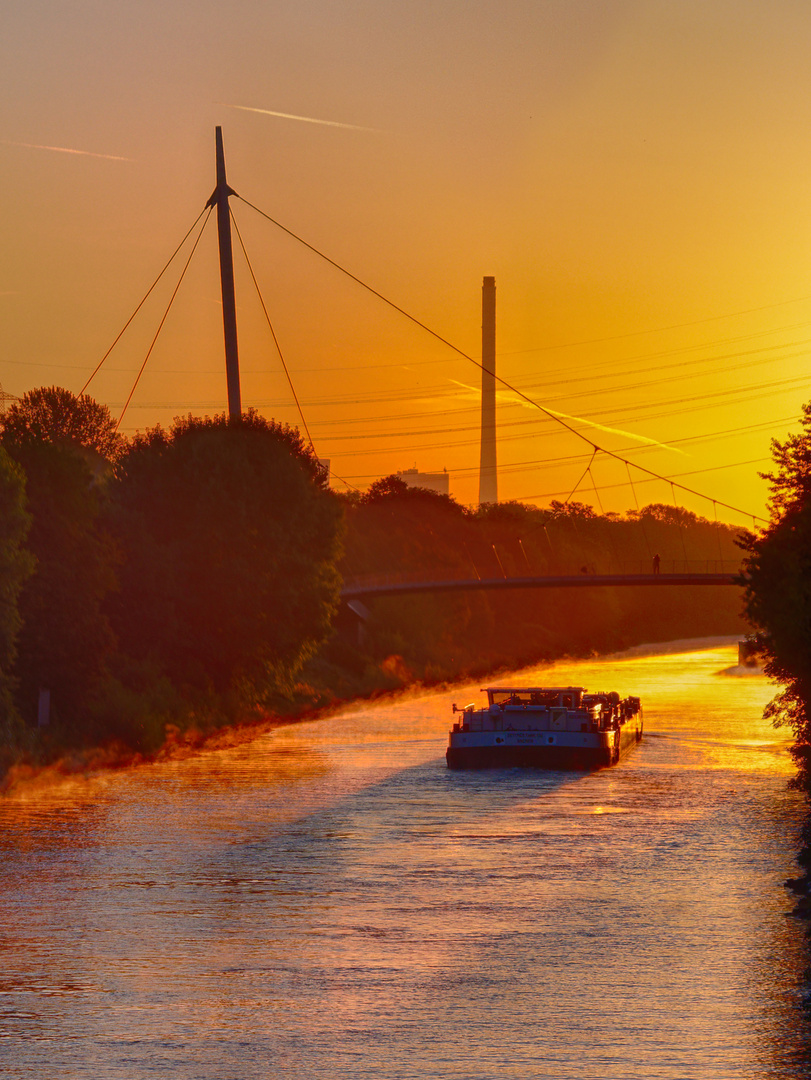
[(571, 759), (541, 755)]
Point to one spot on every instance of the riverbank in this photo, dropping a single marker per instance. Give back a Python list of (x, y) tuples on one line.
[(333, 888), (305, 703)]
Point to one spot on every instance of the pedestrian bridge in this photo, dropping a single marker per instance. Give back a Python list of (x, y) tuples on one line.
[(370, 588)]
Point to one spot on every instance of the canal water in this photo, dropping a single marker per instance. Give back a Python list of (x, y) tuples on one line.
[(328, 900)]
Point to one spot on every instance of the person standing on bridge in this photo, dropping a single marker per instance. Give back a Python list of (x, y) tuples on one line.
[(656, 561)]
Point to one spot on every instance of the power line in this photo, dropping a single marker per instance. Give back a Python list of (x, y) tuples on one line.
[(478, 364), (669, 480), (665, 329)]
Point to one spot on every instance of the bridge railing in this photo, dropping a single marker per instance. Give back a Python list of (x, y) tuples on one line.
[(557, 569)]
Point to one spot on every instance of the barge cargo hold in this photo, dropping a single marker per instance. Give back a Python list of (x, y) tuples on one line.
[(546, 727)]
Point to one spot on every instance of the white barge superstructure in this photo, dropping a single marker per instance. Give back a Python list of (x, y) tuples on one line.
[(550, 727)]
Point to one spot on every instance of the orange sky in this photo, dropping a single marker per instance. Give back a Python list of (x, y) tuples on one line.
[(634, 174)]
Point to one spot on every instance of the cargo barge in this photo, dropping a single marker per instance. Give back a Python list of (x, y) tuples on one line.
[(547, 727)]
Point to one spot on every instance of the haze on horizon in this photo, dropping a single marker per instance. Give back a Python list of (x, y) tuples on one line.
[(632, 172)]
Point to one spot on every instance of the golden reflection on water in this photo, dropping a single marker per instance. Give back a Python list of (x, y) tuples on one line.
[(327, 899)]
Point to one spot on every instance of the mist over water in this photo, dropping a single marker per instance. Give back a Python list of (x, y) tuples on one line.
[(329, 900)]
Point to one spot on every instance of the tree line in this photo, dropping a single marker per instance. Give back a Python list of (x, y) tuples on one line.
[(191, 576), (392, 528), (178, 577), (778, 592)]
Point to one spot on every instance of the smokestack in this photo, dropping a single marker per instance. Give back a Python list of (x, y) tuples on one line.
[(488, 477)]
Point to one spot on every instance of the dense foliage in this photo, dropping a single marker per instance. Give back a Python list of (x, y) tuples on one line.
[(230, 538), (65, 639), (53, 414), (63, 444), (408, 532), (16, 564), (778, 591), (192, 576), (183, 577)]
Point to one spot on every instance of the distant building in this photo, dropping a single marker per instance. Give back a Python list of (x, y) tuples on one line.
[(434, 481)]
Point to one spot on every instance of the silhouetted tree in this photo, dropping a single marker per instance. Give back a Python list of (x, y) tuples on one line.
[(65, 637), (52, 414), (230, 537), (409, 532), (16, 565), (778, 591)]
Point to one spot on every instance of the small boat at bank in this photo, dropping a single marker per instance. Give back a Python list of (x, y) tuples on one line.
[(548, 727)]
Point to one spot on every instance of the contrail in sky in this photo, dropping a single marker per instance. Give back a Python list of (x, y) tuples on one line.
[(65, 150), (617, 431), (306, 119), (506, 396)]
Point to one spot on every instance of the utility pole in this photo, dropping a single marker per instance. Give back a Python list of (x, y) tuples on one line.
[(229, 309), (488, 474)]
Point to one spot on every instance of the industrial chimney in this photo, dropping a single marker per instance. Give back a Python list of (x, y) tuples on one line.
[(488, 476)]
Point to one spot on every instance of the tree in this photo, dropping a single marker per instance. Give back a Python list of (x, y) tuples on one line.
[(65, 638), (777, 583), (16, 565), (230, 539), (790, 483), (52, 414), (63, 443)]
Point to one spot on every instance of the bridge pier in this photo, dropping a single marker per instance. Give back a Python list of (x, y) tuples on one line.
[(362, 618)]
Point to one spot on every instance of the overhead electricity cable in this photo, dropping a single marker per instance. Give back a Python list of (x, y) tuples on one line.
[(476, 363), (143, 301), (165, 316), (665, 329), (555, 374), (731, 397), (667, 480), (659, 379), (591, 368)]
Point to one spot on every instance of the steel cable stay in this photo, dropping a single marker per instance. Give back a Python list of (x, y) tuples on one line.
[(143, 301), (718, 535), (596, 492), (583, 476), (524, 397), (639, 515), (615, 553), (681, 531), (279, 348), (530, 401), (163, 320), (272, 332)]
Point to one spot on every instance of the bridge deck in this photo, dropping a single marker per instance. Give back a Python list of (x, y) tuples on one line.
[(570, 581)]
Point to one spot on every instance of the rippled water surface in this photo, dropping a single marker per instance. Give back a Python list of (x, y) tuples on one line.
[(329, 900)]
